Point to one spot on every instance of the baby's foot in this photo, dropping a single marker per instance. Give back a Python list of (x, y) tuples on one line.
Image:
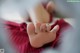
[(44, 36)]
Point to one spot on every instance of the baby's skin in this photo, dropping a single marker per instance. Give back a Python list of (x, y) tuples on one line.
[(39, 30), (38, 39)]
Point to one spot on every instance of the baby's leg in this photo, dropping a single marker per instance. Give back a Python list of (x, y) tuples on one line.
[(39, 15)]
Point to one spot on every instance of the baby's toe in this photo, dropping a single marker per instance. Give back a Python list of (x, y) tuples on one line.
[(37, 27), (30, 29), (43, 28), (48, 27)]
